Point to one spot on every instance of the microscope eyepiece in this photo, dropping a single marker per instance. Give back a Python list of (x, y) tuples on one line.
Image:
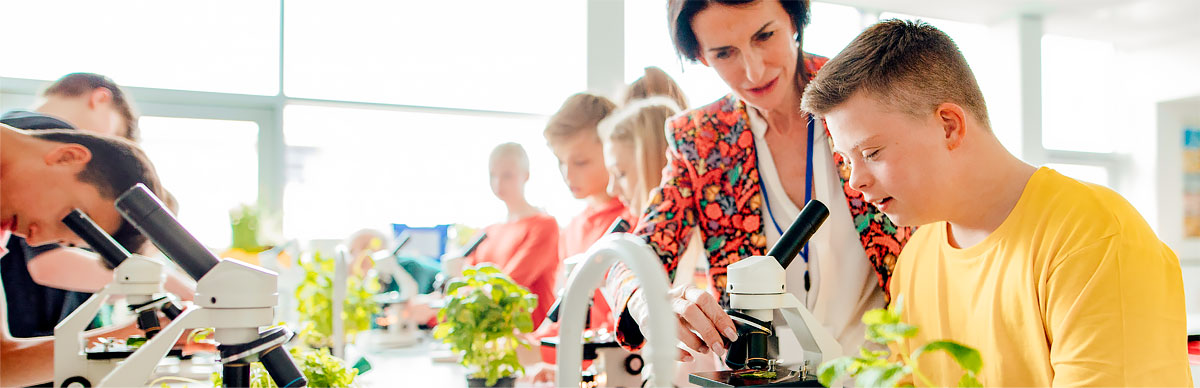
[(83, 226), (142, 209), (792, 240)]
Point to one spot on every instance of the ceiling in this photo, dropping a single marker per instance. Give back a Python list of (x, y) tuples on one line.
[(1125, 23)]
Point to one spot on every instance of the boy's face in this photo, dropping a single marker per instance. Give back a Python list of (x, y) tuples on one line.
[(508, 178), (581, 162), (36, 194), (897, 161)]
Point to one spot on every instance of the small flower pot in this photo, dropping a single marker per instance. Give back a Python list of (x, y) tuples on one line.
[(505, 382)]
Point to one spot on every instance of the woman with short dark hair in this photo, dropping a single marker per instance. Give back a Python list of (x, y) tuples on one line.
[(741, 168)]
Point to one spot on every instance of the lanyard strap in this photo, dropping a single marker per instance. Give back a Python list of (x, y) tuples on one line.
[(808, 189)]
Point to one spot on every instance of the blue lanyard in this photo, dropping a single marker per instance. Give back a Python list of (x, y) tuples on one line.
[(808, 189)]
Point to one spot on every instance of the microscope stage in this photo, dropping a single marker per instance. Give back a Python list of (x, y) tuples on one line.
[(726, 379)]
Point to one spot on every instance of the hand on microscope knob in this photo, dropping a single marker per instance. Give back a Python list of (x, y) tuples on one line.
[(703, 324)]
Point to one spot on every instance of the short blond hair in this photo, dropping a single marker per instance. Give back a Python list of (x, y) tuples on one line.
[(642, 125), (908, 65), (580, 114), (510, 150)]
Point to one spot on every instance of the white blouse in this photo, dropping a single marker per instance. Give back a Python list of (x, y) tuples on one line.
[(844, 284)]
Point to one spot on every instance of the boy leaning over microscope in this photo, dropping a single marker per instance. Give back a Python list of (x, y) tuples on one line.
[(1057, 282)]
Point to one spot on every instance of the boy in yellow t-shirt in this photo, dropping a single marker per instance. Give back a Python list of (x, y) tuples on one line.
[(1055, 281)]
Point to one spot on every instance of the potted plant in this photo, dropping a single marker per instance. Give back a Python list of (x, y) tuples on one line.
[(315, 297), (485, 310)]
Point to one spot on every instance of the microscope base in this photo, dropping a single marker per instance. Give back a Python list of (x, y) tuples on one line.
[(726, 379)]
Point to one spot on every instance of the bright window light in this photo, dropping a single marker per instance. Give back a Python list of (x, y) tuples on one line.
[(831, 28), (1086, 173), (210, 166), (358, 168), (518, 56), (1077, 104), (220, 45)]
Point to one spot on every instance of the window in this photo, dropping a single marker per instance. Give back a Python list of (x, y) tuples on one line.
[(831, 28), (1086, 173), (222, 45), (210, 166), (472, 54), (648, 43), (1078, 101), (351, 169)]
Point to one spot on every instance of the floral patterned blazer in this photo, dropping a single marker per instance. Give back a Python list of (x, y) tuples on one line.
[(711, 182)]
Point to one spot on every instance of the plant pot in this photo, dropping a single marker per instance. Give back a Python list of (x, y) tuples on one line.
[(507, 382)]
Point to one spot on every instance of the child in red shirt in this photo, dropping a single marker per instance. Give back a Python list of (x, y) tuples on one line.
[(525, 247)]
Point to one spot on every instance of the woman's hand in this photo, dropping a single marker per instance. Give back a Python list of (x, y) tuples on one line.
[(703, 325)]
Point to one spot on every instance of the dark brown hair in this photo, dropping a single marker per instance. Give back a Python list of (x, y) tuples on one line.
[(579, 114), (655, 82), (116, 165), (909, 65), (77, 84), (681, 12)]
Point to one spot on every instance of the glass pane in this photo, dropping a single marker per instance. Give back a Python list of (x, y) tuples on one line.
[(988, 53), (210, 166), (832, 27), (221, 45), (473, 54), (1077, 104), (1086, 173), (647, 43), (357, 168)]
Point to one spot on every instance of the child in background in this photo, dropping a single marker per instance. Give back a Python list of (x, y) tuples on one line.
[(655, 82), (525, 246), (571, 136)]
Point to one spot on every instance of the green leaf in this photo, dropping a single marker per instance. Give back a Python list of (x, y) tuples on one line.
[(487, 269), (968, 380), (885, 377), (966, 357), (880, 316), (834, 370), (892, 332)]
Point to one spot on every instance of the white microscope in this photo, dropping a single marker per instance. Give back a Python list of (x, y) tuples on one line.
[(757, 288), (234, 298), (400, 331), (612, 365), (660, 335), (138, 278)]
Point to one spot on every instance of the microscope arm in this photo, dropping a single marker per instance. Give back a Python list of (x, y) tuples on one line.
[(661, 332), (69, 342), (135, 371), (819, 346)]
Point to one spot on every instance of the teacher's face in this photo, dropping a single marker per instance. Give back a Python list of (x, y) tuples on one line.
[(753, 50)]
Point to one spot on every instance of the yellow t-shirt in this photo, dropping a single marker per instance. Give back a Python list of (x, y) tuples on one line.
[(1073, 289)]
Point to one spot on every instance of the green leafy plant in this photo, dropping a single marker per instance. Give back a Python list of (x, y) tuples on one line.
[(484, 312), (320, 368), (315, 296), (244, 222), (882, 369)]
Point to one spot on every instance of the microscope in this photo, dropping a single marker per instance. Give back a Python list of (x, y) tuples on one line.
[(660, 331), (399, 331), (757, 288), (234, 298), (138, 278), (612, 365)]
